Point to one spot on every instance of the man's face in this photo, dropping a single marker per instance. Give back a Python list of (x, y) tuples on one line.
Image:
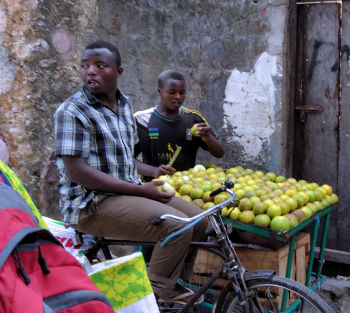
[(99, 71), (172, 94)]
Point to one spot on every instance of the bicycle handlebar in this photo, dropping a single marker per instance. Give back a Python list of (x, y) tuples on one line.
[(227, 188)]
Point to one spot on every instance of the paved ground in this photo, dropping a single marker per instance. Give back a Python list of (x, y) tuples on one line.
[(336, 292)]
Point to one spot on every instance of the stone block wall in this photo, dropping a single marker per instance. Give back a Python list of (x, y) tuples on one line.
[(232, 53)]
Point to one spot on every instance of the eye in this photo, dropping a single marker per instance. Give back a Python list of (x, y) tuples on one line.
[(101, 66), (84, 66)]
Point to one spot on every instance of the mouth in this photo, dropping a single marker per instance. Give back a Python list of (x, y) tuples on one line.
[(92, 83)]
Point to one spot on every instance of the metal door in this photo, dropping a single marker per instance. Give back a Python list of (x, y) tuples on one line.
[(322, 110)]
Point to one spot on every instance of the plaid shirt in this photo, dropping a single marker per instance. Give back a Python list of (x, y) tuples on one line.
[(85, 127)]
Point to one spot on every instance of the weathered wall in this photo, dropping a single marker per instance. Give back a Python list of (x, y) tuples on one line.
[(231, 52)]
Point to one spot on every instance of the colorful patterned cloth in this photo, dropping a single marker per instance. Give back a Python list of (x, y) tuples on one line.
[(125, 282), (9, 177)]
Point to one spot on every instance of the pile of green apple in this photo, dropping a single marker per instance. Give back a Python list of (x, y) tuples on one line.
[(266, 199)]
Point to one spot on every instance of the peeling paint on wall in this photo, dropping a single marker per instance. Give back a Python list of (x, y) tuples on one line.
[(249, 105), (8, 72)]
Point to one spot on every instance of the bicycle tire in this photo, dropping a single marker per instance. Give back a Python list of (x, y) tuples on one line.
[(312, 302)]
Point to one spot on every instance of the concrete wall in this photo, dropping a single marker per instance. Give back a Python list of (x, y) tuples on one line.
[(232, 54)]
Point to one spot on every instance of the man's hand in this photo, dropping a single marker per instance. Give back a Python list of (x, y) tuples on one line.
[(151, 191), (163, 170), (203, 130), (152, 171), (83, 174), (215, 147)]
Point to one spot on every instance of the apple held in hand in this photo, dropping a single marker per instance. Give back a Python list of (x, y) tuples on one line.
[(194, 130), (168, 188)]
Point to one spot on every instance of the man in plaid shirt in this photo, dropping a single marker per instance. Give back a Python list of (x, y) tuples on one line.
[(100, 191)]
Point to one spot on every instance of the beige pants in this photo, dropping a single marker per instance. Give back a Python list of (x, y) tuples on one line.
[(128, 217)]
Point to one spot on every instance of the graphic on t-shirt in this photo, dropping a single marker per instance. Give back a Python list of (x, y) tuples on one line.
[(164, 156), (170, 148), (169, 154), (153, 133), (188, 134)]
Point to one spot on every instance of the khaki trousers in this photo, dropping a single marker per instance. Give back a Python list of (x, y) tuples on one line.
[(127, 218)]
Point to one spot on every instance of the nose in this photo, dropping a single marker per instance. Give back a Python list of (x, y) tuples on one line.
[(177, 95), (91, 70)]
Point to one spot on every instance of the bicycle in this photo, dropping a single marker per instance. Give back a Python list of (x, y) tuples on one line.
[(259, 291)]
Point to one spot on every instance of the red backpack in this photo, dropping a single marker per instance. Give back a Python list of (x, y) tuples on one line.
[(36, 274)]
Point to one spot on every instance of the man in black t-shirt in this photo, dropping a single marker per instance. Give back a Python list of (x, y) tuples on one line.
[(168, 125)]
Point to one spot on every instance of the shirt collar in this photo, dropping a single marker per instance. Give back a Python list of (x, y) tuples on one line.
[(172, 120), (94, 101)]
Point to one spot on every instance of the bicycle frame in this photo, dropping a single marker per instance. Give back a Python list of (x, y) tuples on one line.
[(229, 269), (231, 266)]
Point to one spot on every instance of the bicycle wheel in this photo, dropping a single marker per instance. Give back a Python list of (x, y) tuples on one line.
[(267, 294)]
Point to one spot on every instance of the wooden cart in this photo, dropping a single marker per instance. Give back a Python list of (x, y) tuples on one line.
[(291, 237)]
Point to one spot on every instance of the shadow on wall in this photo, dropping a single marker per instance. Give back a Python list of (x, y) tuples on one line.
[(49, 195)]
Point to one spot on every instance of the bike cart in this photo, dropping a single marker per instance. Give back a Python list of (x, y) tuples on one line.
[(290, 237)]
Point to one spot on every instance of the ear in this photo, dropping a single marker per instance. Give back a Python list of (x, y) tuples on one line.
[(120, 71), (158, 89)]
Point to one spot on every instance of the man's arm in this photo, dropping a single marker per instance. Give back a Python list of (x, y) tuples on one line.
[(215, 146), (80, 172)]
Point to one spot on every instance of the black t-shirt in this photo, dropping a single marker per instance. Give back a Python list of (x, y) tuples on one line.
[(159, 137)]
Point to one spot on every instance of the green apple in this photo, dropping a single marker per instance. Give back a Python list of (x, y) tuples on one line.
[(194, 130)]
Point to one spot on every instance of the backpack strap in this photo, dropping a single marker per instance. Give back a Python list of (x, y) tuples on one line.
[(15, 240), (69, 299), (47, 309)]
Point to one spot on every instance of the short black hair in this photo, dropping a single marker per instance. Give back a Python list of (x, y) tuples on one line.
[(109, 46), (169, 74)]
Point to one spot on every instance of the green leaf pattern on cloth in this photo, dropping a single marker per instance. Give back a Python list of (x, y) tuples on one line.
[(125, 283)]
